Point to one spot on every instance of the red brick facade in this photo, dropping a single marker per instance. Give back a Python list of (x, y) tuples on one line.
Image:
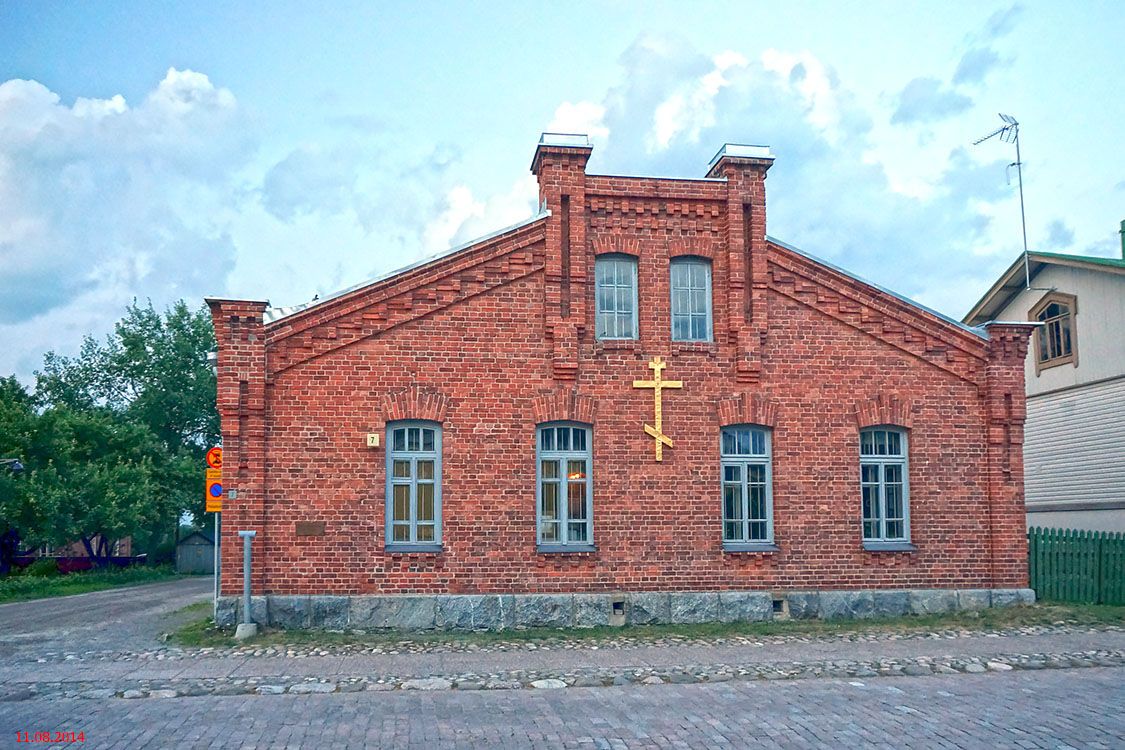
[(498, 337)]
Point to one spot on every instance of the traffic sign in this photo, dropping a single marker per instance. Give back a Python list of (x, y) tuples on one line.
[(215, 458), (214, 492)]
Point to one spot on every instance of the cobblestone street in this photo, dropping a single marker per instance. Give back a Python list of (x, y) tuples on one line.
[(1040, 709), (1039, 686)]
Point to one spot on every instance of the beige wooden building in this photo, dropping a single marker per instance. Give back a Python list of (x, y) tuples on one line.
[(1074, 448)]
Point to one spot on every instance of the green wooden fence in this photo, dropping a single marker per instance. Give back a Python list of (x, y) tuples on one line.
[(1067, 565)]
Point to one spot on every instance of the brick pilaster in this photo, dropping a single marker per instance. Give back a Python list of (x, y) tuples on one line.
[(241, 401), (747, 261), (561, 171), (1005, 411)]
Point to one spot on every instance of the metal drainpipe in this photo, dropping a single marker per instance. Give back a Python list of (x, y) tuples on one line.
[(247, 536)]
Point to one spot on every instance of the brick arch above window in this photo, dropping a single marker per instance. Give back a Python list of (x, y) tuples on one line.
[(564, 406), (747, 408), (884, 410), (684, 246), (416, 403), (615, 243)]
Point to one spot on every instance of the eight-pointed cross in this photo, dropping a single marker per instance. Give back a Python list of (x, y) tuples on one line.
[(657, 384)]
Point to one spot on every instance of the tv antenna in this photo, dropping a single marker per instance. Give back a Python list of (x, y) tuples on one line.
[(1009, 132)]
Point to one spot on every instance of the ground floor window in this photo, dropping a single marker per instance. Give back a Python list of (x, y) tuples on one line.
[(564, 496), (746, 485), (884, 485), (413, 485)]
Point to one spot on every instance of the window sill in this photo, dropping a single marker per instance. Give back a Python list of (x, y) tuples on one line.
[(768, 547), (394, 549), (564, 549), (1041, 365), (889, 547)]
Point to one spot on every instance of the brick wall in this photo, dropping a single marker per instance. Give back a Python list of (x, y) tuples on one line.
[(495, 338)]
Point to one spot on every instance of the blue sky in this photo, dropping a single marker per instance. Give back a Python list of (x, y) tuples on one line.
[(279, 150)]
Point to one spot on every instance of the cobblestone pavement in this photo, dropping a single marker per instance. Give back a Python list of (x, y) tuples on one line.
[(129, 617), (1040, 709), (163, 674)]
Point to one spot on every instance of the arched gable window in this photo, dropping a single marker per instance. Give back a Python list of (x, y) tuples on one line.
[(1056, 340), (616, 296), (691, 298)]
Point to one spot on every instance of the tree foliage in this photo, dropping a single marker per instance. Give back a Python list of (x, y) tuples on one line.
[(112, 440), (153, 369)]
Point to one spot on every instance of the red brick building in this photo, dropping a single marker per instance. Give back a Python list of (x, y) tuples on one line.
[(825, 448)]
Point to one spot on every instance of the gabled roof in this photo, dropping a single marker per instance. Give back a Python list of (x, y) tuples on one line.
[(274, 314), (197, 534), (912, 303), (1013, 281)]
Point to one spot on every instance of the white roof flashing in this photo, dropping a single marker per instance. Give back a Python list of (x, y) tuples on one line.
[(572, 140), (741, 151)]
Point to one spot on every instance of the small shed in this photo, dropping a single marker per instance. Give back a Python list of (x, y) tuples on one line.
[(195, 554)]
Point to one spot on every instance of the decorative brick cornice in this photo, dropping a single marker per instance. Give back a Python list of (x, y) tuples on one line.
[(564, 406), (883, 410), (747, 408), (889, 319), (416, 402), (376, 309)]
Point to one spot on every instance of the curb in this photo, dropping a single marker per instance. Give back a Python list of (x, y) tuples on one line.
[(586, 678)]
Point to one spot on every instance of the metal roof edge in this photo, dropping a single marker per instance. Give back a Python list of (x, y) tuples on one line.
[(993, 290), (1088, 262), (976, 331), (270, 317), (1095, 260)]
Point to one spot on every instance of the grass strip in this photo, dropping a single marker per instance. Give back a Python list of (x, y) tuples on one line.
[(18, 588)]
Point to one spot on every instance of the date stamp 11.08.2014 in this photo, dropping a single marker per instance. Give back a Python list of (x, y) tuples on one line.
[(54, 738)]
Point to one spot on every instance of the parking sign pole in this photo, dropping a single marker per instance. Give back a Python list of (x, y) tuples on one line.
[(218, 562)]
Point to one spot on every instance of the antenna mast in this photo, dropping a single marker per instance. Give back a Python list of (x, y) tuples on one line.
[(1010, 133)]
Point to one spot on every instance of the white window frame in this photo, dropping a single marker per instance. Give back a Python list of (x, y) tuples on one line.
[(743, 461), (602, 264), (413, 456), (564, 543), (880, 462), (689, 261)]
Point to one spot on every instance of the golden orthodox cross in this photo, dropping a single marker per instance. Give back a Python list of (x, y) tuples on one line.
[(657, 384)]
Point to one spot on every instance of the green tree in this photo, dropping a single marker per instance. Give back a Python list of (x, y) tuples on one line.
[(153, 370), (18, 428), (94, 477)]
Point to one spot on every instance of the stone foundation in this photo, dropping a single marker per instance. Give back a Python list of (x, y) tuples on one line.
[(507, 611)]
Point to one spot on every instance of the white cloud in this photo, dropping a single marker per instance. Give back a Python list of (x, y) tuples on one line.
[(805, 73), (829, 189), (101, 202), (691, 108), (581, 117)]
